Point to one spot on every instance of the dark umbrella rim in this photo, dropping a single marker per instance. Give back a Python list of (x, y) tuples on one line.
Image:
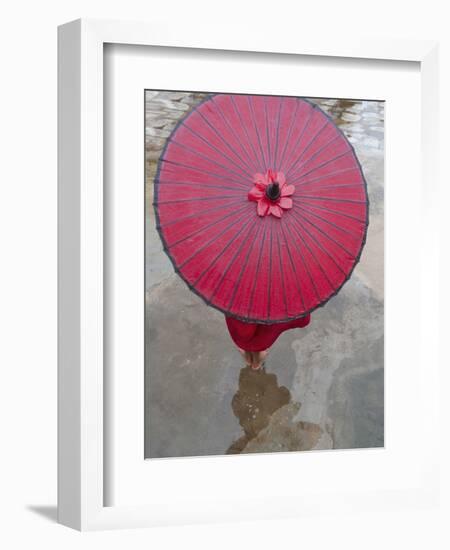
[(156, 185)]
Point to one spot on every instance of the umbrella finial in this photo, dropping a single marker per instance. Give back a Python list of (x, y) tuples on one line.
[(273, 191)]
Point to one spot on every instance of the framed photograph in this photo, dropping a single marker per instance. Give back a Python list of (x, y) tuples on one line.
[(244, 275), (261, 207)]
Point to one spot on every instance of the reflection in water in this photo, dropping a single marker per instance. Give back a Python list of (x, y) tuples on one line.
[(339, 109), (257, 398), (266, 414)]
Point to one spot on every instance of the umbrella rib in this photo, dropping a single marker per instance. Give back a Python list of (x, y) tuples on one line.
[(267, 133), (318, 178), (315, 155), (322, 165), (195, 199), (306, 211), (210, 241), (337, 185), (269, 286), (224, 249), (201, 155), (324, 250), (197, 184), (211, 224), (337, 212), (202, 170), (245, 130), (305, 265), (311, 141), (291, 125), (195, 215), (302, 133), (313, 255), (238, 166), (233, 131), (244, 265), (301, 218), (232, 149), (297, 282), (332, 199), (231, 262), (257, 132), (257, 270), (282, 275), (275, 155)]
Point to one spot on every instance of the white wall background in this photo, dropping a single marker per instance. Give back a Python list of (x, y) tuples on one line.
[(28, 270)]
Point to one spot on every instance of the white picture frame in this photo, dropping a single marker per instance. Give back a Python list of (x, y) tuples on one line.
[(81, 406)]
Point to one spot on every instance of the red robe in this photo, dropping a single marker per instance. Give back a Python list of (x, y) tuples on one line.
[(255, 337)]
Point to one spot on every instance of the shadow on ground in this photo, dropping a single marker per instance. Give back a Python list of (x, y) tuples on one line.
[(48, 512)]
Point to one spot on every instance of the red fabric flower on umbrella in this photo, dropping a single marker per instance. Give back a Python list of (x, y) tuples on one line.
[(271, 193)]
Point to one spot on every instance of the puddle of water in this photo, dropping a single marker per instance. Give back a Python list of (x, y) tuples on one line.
[(266, 414), (255, 401), (340, 109)]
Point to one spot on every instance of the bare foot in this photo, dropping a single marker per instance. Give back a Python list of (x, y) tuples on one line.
[(247, 356), (254, 359), (258, 358)]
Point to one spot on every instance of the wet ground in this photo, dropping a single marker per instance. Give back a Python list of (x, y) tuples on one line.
[(322, 387)]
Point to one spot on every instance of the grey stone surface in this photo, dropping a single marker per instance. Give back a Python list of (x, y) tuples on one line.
[(321, 388)]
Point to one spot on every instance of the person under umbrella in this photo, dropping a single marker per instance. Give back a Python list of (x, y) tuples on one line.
[(267, 265)]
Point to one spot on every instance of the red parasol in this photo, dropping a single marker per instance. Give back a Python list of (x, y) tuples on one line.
[(261, 205)]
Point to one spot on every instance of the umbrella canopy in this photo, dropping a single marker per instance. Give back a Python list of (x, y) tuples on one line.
[(261, 205)]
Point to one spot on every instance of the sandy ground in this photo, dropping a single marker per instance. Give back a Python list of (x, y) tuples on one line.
[(322, 387)]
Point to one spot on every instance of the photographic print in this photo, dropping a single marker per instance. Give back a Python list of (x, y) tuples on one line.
[(264, 274)]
